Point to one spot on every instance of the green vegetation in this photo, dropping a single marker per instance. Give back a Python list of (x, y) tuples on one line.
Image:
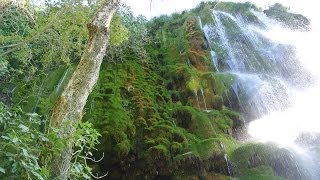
[(265, 160), (293, 21), (26, 150), (239, 8), (158, 109), (260, 172)]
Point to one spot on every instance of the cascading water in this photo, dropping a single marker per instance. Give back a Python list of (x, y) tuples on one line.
[(297, 126), (204, 99), (273, 82), (197, 98), (265, 70)]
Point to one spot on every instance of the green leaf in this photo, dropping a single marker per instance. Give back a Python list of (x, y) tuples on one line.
[(78, 167), (86, 176), (37, 175), (34, 115), (45, 139), (23, 128), (118, 32), (2, 170), (15, 140), (25, 152), (5, 137)]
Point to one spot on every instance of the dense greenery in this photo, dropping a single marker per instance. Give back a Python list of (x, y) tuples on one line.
[(159, 110)]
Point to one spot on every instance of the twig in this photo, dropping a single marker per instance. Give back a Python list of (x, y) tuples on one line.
[(93, 159)]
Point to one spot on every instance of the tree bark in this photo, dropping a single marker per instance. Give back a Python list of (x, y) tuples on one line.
[(67, 111)]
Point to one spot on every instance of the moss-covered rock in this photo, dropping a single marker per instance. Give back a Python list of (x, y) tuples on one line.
[(167, 117), (260, 172), (162, 110), (291, 20), (243, 9), (252, 159)]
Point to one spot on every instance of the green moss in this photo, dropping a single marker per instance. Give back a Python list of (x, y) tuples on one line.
[(265, 160), (206, 14), (229, 143), (208, 128), (159, 151), (230, 113), (221, 121), (194, 121), (147, 111), (242, 155), (194, 84), (233, 8), (176, 148), (158, 140), (223, 82), (291, 20), (260, 172), (206, 148), (123, 148)]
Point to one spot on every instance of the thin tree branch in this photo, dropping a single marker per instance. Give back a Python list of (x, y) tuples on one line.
[(93, 159)]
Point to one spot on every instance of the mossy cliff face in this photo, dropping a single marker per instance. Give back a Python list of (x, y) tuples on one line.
[(167, 116), (164, 111), (146, 134), (293, 21), (163, 117), (258, 160)]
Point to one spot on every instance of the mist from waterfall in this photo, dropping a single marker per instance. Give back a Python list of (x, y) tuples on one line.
[(277, 77), (298, 126), (301, 116)]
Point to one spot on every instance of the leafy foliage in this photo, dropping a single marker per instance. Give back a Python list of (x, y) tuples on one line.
[(118, 32), (21, 145), (26, 151), (86, 139), (129, 35)]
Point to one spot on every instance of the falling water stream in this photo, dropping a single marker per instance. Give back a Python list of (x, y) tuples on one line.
[(276, 80), (197, 98), (297, 126), (204, 99)]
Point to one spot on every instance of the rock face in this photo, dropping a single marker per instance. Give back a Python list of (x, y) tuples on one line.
[(293, 21), (173, 115), (172, 102), (164, 118), (281, 162)]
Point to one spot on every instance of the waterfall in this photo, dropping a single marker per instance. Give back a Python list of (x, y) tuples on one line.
[(199, 22), (62, 80), (276, 80), (227, 162), (226, 159), (206, 31), (204, 99), (224, 40), (197, 98), (214, 60), (266, 71)]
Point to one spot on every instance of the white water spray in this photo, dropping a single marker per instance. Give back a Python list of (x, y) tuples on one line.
[(277, 79), (284, 127)]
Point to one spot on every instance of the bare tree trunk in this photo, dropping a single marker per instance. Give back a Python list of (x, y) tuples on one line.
[(68, 108)]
